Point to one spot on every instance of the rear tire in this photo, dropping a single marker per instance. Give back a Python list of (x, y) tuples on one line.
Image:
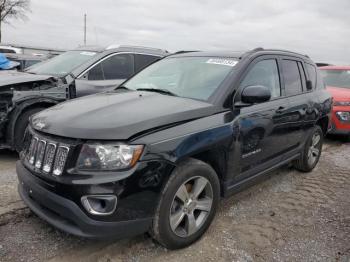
[(311, 152), (21, 126), (187, 205)]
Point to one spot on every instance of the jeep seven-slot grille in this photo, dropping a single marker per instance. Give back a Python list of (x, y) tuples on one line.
[(46, 155)]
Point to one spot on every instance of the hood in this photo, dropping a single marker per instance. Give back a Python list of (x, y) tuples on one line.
[(15, 77), (339, 93), (118, 115)]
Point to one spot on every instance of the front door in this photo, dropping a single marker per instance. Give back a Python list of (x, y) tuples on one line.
[(262, 127)]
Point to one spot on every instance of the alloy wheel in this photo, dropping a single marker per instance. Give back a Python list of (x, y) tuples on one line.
[(314, 149), (191, 206)]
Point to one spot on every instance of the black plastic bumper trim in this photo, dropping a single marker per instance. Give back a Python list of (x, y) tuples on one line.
[(67, 216)]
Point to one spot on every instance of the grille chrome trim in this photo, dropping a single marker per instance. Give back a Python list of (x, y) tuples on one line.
[(60, 160), (45, 155), (41, 147), (49, 157), (32, 150)]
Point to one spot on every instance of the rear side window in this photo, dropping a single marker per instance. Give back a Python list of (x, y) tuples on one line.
[(311, 71), (264, 73), (291, 76), (141, 61), (118, 67)]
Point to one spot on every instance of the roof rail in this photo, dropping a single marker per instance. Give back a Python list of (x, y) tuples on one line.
[(185, 51), (258, 49), (281, 50), (134, 46)]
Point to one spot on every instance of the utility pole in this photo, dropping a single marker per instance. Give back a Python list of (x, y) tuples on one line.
[(84, 29)]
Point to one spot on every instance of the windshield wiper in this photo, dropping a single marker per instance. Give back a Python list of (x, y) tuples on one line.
[(158, 90), (122, 87)]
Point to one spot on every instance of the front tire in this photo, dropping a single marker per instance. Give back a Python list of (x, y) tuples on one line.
[(21, 126), (312, 151), (187, 205)]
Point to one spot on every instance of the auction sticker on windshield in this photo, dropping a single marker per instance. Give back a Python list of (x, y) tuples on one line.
[(220, 61), (88, 53)]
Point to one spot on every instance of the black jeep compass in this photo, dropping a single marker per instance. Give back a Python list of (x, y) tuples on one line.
[(158, 153)]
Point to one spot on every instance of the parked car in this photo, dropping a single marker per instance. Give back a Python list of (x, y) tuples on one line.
[(25, 61), (158, 153), (76, 73), (10, 49), (337, 79)]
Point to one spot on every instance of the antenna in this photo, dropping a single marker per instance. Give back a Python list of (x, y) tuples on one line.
[(84, 29)]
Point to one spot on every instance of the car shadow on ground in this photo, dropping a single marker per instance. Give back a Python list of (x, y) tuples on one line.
[(8, 155), (337, 140)]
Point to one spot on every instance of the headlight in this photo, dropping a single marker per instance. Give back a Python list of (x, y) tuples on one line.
[(343, 116), (341, 103), (108, 157)]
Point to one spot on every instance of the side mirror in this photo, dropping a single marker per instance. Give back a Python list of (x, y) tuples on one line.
[(255, 94), (308, 84)]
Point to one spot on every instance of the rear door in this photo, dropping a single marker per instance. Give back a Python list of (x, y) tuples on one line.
[(262, 127), (106, 74), (300, 100)]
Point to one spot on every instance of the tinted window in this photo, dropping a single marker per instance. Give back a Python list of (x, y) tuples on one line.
[(96, 73), (291, 77), (264, 73), (311, 71), (141, 61), (118, 67)]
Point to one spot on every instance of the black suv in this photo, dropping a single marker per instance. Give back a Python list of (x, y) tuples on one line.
[(157, 153), (75, 73)]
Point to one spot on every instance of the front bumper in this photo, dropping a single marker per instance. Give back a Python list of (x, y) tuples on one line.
[(67, 216)]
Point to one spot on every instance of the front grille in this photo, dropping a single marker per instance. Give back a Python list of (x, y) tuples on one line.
[(46, 155)]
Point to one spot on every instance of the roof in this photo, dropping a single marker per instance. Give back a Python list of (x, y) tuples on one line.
[(239, 54), (334, 68)]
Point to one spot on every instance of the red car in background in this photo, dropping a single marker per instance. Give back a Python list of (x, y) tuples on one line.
[(337, 80)]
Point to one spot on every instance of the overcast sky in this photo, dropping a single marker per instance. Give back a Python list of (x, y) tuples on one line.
[(319, 28)]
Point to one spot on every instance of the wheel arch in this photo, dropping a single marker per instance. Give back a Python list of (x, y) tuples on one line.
[(323, 122), (20, 109)]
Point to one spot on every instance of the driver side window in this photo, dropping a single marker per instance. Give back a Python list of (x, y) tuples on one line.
[(120, 66), (264, 73)]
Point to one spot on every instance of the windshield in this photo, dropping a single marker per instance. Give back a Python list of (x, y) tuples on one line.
[(336, 78), (63, 64), (192, 77)]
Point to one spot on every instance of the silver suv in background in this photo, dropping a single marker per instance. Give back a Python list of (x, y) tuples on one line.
[(75, 73)]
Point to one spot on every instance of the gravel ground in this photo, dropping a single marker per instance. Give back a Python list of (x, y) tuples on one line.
[(289, 217)]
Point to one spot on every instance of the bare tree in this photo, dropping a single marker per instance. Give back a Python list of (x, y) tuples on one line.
[(12, 9)]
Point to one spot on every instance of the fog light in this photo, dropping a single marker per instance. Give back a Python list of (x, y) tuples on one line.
[(343, 116), (101, 205)]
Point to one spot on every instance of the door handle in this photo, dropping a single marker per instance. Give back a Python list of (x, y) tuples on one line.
[(280, 110)]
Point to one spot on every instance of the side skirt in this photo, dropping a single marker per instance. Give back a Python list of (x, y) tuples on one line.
[(230, 189)]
